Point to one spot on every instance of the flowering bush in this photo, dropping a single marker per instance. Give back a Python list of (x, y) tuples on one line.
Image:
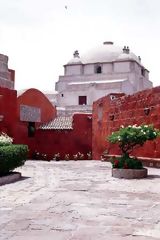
[(36, 155), (128, 138), (75, 157), (89, 155), (78, 156), (57, 156), (5, 139), (44, 156), (67, 156), (126, 162)]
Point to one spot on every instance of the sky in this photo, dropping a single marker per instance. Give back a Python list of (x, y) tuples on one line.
[(40, 36)]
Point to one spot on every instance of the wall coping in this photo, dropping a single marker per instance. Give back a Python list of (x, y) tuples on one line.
[(149, 162)]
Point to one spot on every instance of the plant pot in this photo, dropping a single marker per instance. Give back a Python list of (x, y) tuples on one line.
[(129, 173)]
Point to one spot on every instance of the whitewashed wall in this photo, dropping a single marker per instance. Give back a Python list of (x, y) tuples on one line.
[(73, 70)]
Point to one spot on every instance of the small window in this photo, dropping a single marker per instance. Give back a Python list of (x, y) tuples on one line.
[(82, 100), (98, 69), (31, 129), (143, 71)]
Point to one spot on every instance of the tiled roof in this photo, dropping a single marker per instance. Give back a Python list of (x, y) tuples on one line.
[(58, 123)]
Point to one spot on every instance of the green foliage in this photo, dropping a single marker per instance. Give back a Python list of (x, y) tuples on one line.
[(11, 157), (128, 138), (132, 136), (126, 162)]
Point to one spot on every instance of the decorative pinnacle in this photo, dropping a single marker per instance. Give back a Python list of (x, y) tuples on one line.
[(76, 54)]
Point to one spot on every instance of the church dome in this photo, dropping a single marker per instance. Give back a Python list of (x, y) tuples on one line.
[(75, 61), (107, 52), (128, 56)]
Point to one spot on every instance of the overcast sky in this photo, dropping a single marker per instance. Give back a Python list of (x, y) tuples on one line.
[(39, 36)]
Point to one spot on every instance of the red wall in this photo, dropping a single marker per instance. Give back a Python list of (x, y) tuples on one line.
[(67, 141), (127, 110), (8, 108), (33, 98)]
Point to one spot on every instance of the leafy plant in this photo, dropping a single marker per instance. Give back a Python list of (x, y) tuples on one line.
[(5, 139), (89, 155), (78, 156), (36, 155), (11, 157), (44, 156), (129, 138), (75, 157), (57, 156), (126, 162), (67, 157)]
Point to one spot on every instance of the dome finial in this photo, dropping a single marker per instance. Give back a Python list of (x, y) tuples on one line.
[(126, 49), (108, 43), (76, 54)]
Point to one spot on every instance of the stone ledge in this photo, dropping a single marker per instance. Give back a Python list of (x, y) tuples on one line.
[(12, 177), (148, 162), (129, 173)]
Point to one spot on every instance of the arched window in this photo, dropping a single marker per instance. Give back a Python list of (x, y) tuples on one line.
[(31, 129), (98, 69)]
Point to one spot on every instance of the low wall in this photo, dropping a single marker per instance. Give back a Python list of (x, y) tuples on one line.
[(79, 139)]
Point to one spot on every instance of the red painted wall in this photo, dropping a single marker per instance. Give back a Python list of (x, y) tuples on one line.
[(67, 141), (8, 109), (127, 110), (33, 98)]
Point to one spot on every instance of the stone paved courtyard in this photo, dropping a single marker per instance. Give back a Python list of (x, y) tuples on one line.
[(79, 200)]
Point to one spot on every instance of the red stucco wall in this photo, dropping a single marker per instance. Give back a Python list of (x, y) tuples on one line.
[(8, 109), (34, 98), (67, 141), (127, 110)]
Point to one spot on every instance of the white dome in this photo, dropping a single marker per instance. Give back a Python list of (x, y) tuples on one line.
[(107, 52), (128, 56), (75, 60)]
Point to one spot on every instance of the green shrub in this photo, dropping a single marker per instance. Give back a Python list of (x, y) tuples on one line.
[(126, 162), (128, 138), (11, 157)]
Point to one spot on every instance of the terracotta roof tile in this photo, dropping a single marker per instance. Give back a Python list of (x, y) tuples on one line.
[(59, 123)]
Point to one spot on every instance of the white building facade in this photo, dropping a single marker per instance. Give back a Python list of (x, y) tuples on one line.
[(103, 70)]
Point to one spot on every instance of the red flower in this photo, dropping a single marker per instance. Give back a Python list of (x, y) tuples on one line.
[(116, 162), (125, 166)]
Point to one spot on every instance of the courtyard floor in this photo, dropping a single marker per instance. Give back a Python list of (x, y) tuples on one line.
[(79, 200)]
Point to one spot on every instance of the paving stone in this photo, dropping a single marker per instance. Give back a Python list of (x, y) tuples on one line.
[(79, 201)]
